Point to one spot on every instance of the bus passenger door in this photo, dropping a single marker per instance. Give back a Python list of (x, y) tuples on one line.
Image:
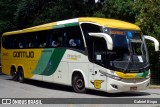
[(95, 78), (99, 50), (91, 76)]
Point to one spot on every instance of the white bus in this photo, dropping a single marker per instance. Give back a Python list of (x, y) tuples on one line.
[(94, 53)]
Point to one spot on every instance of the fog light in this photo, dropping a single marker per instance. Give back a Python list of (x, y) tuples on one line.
[(114, 86)]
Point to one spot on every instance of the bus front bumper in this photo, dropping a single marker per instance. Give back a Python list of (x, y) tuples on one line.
[(114, 86)]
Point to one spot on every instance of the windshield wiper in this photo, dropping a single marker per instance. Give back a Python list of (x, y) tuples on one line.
[(131, 55)]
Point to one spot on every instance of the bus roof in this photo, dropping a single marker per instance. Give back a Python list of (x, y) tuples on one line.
[(111, 23)]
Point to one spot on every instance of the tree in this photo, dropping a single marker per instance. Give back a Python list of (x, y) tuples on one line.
[(27, 12), (34, 12), (7, 8), (117, 9), (148, 16), (148, 19)]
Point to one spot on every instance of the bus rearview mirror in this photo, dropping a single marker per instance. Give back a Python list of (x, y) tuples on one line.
[(108, 39), (156, 43)]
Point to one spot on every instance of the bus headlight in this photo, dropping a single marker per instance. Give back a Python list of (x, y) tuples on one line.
[(110, 76)]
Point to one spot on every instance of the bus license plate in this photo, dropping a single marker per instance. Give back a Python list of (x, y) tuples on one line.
[(133, 88)]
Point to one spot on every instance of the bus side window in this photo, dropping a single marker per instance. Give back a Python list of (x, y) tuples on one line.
[(56, 38), (29, 44), (6, 42), (15, 45), (42, 40), (74, 38), (20, 45), (90, 28), (21, 41), (72, 42), (30, 40)]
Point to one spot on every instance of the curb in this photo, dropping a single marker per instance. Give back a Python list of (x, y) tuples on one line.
[(154, 87)]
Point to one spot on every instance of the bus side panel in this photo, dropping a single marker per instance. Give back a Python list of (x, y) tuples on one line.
[(76, 62), (61, 74), (28, 67), (27, 59), (7, 61), (43, 64), (5, 66), (50, 64), (81, 67)]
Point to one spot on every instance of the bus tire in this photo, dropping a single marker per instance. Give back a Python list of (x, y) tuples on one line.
[(78, 83), (21, 75), (14, 73)]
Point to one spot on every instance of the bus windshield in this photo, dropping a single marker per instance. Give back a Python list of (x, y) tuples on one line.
[(129, 51)]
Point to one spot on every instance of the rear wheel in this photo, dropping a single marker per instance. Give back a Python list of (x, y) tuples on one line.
[(14, 74), (21, 75), (78, 83)]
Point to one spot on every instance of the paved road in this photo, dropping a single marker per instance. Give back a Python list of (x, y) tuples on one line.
[(38, 89)]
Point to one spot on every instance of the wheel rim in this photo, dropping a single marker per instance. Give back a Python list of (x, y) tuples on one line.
[(14, 74), (21, 76), (79, 83)]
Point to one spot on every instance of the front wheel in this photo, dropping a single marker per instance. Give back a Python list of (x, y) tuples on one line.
[(21, 75), (78, 84)]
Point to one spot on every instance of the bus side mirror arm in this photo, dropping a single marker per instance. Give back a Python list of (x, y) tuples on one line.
[(107, 38), (156, 43)]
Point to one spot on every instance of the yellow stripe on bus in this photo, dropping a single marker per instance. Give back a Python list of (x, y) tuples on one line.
[(126, 75)]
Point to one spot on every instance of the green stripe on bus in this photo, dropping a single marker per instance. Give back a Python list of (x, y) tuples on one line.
[(66, 25), (71, 24), (58, 26), (144, 74), (54, 62), (43, 61)]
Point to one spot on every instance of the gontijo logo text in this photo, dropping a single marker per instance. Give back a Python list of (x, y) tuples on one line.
[(23, 54)]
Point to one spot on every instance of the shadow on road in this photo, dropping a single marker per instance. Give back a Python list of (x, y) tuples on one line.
[(122, 94), (1, 73), (89, 92)]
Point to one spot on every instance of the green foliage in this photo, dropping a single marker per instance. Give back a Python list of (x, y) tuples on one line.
[(26, 13), (148, 15), (34, 12), (7, 9), (119, 9)]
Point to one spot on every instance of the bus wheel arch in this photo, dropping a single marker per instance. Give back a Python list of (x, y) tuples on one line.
[(14, 73), (78, 82), (21, 74)]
